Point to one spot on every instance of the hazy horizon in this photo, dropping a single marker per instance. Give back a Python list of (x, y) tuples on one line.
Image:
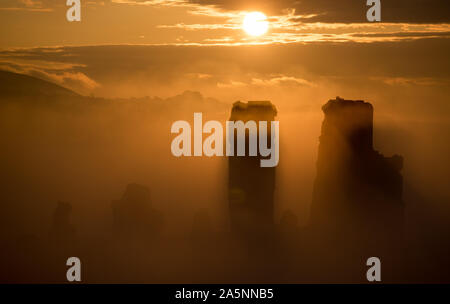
[(137, 66)]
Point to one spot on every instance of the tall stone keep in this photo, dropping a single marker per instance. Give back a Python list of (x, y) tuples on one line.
[(250, 186), (357, 190)]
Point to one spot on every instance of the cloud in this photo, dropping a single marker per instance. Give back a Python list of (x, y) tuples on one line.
[(26, 5), (153, 2), (197, 26), (139, 70), (319, 32), (76, 80), (219, 22), (282, 80), (291, 27), (408, 81), (65, 74), (327, 11), (41, 5), (231, 84), (344, 11)]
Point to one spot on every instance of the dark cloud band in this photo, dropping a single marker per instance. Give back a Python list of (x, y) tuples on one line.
[(347, 11)]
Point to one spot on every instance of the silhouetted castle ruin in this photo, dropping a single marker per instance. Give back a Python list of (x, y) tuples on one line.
[(251, 187), (62, 230), (133, 215), (357, 190)]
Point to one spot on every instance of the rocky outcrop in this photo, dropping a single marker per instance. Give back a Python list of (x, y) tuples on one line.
[(357, 191)]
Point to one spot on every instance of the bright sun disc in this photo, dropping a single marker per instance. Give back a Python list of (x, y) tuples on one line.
[(255, 24)]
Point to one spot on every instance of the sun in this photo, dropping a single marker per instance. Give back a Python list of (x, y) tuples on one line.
[(255, 24)]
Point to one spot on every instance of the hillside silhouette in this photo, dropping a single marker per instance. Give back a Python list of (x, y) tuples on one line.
[(23, 86)]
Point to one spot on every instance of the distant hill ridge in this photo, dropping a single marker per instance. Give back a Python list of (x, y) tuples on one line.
[(31, 90), (19, 85)]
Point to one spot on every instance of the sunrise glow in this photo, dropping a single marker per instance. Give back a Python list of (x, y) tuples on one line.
[(255, 24)]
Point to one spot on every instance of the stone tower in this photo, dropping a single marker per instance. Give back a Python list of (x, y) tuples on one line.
[(250, 186), (357, 190)]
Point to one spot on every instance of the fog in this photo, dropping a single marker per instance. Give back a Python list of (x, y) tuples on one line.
[(86, 150)]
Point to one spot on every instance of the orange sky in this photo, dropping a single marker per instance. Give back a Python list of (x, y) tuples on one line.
[(31, 23), (314, 49)]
